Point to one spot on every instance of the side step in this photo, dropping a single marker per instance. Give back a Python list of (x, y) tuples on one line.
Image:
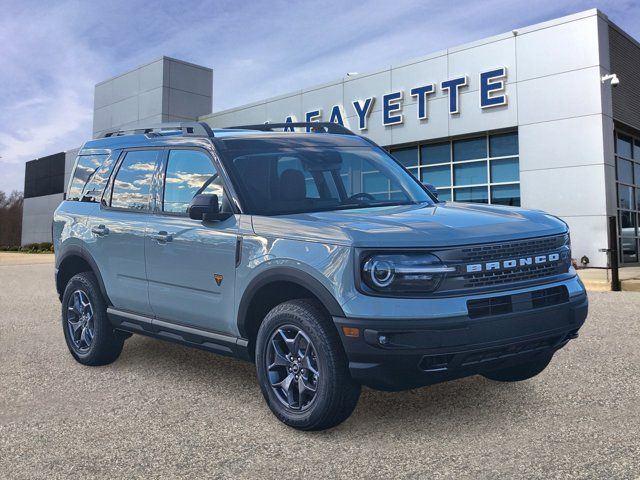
[(173, 332)]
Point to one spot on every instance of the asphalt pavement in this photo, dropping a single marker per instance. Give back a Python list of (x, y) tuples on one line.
[(167, 411)]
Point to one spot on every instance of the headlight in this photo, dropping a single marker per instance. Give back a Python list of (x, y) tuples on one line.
[(408, 273)]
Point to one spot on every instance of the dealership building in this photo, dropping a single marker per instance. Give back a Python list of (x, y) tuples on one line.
[(544, 117)]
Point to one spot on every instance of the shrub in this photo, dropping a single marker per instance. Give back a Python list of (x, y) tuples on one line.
[(42, 247)]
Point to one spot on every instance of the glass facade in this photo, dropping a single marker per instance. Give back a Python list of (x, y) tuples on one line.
[(481, 169), (44, 176), (628, 195)]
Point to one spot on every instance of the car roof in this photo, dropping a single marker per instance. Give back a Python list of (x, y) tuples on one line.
[(169, 137)]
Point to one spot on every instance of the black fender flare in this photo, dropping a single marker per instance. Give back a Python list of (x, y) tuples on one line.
[(285, 274), (78, 251)]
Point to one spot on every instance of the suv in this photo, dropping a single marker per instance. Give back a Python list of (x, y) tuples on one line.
[(314, 254)]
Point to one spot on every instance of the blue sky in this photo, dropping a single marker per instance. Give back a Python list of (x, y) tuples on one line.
[(53, 53)]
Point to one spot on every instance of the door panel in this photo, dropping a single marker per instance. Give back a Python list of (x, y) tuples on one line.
[(119, 229), (120, 255), (191, 263), (181, 269)]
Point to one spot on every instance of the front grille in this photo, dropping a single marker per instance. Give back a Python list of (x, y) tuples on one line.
[(533, 246), (501, 277), (516, 271), (521, 302)]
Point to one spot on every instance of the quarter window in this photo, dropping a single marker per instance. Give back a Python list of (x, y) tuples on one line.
[(132, 184), (90, 175), (189, 173)]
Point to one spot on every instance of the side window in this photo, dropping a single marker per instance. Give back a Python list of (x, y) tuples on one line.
[(190, 173), (132, 184), (89, 175)]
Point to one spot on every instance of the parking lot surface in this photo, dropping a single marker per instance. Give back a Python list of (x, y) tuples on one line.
[(164, 410)]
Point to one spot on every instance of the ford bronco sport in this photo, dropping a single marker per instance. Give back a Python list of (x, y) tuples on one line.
[(312, 253)]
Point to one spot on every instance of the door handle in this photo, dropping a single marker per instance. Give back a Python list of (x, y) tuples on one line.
[(100, 230), (162, 237)]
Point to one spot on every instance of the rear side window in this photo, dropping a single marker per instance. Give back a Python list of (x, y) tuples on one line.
[(132, 185), (90, 177)]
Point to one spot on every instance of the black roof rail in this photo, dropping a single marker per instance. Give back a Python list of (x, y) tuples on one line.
[(317, 127), (189, 129)]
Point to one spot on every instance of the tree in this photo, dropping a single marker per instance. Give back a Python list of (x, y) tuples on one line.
[(10, 218)]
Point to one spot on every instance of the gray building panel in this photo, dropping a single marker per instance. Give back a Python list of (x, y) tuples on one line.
[(625, 62), (160, 90), (37, 210), (37, 215)]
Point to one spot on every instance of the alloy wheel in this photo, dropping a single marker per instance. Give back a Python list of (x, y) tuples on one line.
[(80, 320), (292, 367)]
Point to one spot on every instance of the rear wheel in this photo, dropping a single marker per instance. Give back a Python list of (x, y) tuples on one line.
[(302, 368), (520, 372), (89, 335)]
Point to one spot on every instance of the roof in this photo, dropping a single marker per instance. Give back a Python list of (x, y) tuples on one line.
[(169, 136)]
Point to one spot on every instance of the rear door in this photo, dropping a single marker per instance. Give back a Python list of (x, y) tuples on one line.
[(118, 230), (191, 263)]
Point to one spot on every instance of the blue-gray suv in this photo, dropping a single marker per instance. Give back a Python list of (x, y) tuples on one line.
[(312, 253)]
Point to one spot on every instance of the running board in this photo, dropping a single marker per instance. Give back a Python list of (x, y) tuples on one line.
[(173, 332)]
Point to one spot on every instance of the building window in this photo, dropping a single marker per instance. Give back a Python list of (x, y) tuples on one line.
[(627, 150), (481, 169), (44, 176)]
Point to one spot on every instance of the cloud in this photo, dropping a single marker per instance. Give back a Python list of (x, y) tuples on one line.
[(54, 53)]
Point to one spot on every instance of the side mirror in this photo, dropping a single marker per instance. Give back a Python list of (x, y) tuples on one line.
[(432, 190), (205, 207)]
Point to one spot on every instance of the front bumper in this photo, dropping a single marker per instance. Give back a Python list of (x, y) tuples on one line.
[(420, 352)]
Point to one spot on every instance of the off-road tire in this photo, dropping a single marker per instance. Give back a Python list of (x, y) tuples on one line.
[(336, 393), (106, 343)]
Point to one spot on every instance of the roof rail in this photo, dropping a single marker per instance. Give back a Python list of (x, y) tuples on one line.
[(317, 127), (189, 129)]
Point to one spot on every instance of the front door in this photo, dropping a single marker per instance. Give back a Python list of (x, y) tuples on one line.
[(191, 263)]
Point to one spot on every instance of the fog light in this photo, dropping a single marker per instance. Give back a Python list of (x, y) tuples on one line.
[(383, 340)]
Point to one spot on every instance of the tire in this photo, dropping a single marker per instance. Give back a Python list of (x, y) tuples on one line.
[(521, 372), (105, 343), (335, 395)]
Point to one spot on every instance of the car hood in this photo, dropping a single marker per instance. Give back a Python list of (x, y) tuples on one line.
[(439, 225)]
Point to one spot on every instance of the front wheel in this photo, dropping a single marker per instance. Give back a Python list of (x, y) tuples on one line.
[(520, 372), (302, 368)]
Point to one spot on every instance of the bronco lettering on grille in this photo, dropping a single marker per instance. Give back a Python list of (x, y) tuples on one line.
[(513, 263)]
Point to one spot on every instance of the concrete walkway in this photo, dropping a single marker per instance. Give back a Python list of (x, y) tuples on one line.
[(19, 258), (599, 279)]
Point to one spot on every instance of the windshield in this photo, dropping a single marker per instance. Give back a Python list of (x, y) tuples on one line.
[(278, 176)]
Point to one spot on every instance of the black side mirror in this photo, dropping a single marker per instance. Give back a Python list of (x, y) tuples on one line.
[(206, 207), (432, 189)]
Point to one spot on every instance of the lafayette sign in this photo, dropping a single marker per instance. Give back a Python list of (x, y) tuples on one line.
[(491, 93)]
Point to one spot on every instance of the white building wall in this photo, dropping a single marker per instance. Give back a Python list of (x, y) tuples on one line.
[(564, 152), (555, 99)]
